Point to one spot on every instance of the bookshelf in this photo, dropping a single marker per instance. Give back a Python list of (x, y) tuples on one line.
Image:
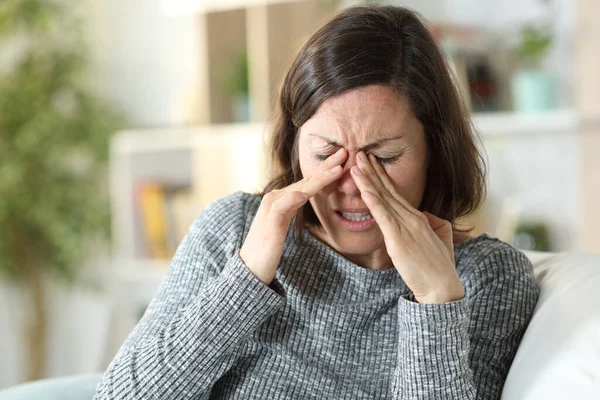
[(209, 161)]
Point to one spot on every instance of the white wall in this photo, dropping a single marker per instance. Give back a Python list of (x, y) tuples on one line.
[(78, 323), (146, 61)]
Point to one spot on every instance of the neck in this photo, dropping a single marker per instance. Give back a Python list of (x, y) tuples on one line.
[(377, 260)]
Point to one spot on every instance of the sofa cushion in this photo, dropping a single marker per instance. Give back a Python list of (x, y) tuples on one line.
[(559, 356)]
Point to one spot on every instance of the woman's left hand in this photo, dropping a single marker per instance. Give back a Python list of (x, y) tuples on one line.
[(420, 244)]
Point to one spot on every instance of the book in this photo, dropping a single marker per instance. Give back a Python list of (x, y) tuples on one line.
[(153, 219), (165, 214)]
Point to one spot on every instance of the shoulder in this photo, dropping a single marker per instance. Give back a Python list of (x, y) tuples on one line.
[(484, 259), (222, 225), (229, 212)]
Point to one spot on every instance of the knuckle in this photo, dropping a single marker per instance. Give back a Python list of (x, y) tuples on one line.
[(298, 185), (283, 205), (319, 179), (422, 217), (388, 218), (368, 171), (415, 221), (270, 197), (388, 197), (392, 191), (278, 205)]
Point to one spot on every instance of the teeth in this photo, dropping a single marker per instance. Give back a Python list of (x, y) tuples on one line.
[(357, 217)]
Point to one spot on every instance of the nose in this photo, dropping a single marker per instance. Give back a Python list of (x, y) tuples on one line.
[(347, 185)]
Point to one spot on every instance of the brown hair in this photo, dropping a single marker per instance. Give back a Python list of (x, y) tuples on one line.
[(387, 45)]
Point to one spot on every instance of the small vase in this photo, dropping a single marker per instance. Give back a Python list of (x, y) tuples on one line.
[(241, 108), (533, 91)]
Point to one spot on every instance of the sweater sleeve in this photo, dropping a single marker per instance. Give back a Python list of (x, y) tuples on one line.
[(464, 349), (207, 305)]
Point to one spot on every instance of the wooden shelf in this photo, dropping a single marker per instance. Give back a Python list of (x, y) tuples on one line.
[(269, 32), (512, 123)]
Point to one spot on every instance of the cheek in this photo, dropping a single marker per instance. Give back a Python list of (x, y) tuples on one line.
[(409, 182)]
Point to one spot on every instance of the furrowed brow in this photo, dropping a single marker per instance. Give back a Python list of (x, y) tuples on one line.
[(366, 148)]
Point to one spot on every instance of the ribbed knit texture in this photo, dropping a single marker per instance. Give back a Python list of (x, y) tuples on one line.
[(325, 328)]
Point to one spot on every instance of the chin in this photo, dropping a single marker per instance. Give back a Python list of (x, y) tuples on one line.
[(359, 243)]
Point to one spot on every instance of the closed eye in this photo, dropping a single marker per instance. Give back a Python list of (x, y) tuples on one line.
[(382, 160)]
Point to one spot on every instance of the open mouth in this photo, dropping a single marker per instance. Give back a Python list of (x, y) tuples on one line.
[(355, 221), (355, 217)]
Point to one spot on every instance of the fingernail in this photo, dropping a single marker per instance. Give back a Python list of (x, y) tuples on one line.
[(362, 156), (356, 170), (305, 195), (336, 169), (339, 152)]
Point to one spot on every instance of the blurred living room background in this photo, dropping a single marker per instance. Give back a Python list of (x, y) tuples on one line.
[(121, 120)]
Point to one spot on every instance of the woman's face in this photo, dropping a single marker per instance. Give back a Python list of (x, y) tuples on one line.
[(377, 120)]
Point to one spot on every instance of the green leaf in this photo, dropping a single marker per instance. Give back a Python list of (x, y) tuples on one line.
[(54, 140)]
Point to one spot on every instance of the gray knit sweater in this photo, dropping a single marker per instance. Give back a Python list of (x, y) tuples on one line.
[(325, 328)]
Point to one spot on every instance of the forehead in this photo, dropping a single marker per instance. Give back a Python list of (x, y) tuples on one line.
[(361, 115)]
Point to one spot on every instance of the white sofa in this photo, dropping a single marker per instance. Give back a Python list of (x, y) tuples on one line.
[(559, 356)]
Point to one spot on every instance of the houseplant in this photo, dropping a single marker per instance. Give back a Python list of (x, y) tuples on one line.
[(533, 88), (54, 135), (235, 82)]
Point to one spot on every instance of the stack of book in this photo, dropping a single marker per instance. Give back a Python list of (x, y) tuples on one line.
[(164, 214)]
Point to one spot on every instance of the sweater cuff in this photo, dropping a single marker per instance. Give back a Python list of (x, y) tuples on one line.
[(239, 275), (415, 314), (233, 304)]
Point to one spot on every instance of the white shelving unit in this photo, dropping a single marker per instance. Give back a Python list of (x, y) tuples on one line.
[(212, 160)]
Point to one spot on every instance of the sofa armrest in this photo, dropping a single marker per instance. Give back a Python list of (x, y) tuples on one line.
[(76, 387)]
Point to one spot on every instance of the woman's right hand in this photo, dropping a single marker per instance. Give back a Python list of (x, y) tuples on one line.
[(263, 247)]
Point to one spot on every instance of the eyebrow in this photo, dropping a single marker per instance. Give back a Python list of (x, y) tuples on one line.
[(366, 148)]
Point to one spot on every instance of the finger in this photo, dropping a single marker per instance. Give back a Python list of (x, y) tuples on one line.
[(369, 173), (329, 171), (365, 182), (443, 229), (334, 159), (285, 207), (386, 219), (388, 185), (436, 223)]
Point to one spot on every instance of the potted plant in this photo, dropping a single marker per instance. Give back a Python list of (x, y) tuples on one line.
[(235, 83), (533, 88), (54, 136)]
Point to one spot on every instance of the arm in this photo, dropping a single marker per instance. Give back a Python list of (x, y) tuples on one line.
[(208, 303), (464, 349)]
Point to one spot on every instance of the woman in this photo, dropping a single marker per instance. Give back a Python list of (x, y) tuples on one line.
[(348, 278)]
